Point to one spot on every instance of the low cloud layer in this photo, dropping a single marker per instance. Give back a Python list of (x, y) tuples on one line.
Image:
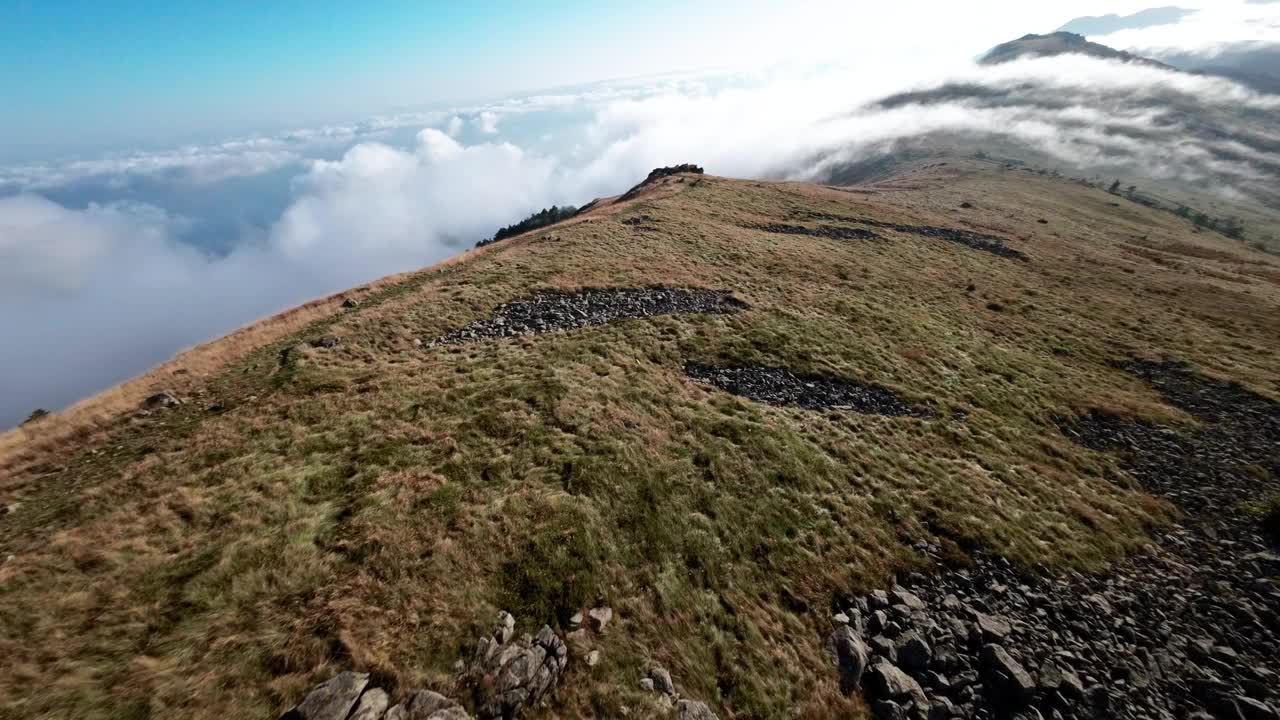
[(97, 291)]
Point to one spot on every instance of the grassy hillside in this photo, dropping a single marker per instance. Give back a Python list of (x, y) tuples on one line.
[(374, 504)]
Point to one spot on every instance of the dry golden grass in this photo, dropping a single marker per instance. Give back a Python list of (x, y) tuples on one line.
[(372, 506)]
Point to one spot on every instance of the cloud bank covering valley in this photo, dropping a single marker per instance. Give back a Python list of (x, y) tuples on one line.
[(110, 265)]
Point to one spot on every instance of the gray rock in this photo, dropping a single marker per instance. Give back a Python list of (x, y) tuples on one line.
[(886, 682), (349, 303), (849, 655), (662, 681), (326, 341), (593, 658), (507, 674), (694, 710), (993, 628), (161, 401), (646, 684), (885, 648), (941, 709), (600, 617), (332, 700), (1006, 676), (373, 704), (901, 596), (1255, 709)]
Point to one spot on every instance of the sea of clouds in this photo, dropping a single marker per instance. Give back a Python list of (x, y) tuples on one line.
[(109, 265)]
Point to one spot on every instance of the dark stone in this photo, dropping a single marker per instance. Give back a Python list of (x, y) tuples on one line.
[(914, 653), (1006, 677)]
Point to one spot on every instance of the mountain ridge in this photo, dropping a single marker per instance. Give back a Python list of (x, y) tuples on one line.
[(723, 410)]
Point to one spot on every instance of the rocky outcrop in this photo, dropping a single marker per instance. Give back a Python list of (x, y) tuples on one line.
[(659, 173), (658, 681), (507, 674), (550, 310)]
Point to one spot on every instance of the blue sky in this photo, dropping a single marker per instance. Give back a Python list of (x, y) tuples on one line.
[(80, 75)]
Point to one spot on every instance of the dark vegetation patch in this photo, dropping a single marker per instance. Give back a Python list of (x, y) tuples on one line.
[(552, 310), (973, 240), (540, 219), (659, 173), (780, 386), (825, 231)]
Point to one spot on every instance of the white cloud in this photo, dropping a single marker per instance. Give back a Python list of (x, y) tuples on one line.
[(454, 128), (487, 122)]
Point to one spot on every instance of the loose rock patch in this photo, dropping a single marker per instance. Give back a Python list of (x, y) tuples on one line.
[(552, 310), (1190, 628), (780, 386), (824, 231), (973, 240)]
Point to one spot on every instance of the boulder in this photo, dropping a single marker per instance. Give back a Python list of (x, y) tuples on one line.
[(332, 700), (992, 628), (849, 655), (886, 682), (1011, 684), (600, 617), (326, 341), (662, 681), (914, 653), (372, 706)]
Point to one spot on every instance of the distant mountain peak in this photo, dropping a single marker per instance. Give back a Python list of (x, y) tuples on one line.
[(1060, 43)]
